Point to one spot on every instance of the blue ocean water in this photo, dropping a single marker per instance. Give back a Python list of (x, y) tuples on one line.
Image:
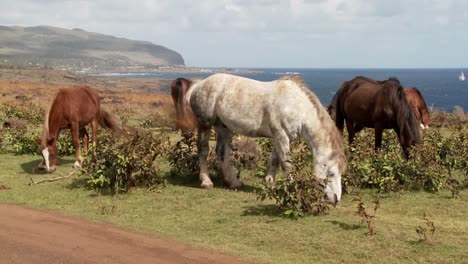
[(440, 87)]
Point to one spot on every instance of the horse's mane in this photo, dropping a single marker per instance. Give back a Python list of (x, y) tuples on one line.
[(360, 77), (334, 135), (395, 93), (45, 130), (416, 90)]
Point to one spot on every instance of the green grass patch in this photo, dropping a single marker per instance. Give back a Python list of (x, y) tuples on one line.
[(236, 223)]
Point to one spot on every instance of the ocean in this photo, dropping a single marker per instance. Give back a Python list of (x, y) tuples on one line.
[(440, 88)]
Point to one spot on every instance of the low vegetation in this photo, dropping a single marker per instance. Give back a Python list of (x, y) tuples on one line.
[(144, 180)]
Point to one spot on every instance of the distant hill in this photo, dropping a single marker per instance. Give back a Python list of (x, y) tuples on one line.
[(77, 49)]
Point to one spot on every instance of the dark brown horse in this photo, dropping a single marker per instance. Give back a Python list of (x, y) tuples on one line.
[(363, 102), (417, 103), (73, 109)]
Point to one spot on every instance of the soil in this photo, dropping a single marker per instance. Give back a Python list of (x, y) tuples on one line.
[(36, 236)]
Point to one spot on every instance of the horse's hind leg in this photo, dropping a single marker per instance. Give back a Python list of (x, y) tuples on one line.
[(84, 137), (223, 150), (203, 150), (76, 142), (95, 125)]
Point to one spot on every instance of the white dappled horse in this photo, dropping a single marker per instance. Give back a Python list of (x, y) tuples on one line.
[(282, 109)]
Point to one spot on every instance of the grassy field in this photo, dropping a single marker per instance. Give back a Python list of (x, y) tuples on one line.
[(236, 223)]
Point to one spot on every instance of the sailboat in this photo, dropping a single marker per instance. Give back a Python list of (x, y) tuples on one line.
[(462, 76)]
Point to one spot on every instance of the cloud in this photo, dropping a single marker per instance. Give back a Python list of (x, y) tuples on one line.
[(265, 32)]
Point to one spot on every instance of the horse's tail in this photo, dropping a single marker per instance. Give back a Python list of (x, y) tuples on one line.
[(106, 121), (185, 119), (405, 115)]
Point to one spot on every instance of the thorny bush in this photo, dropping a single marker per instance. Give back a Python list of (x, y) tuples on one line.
[(131, 160), (298, 194), (183, 157)]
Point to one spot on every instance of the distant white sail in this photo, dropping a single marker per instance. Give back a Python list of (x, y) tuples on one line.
[(461, 77)]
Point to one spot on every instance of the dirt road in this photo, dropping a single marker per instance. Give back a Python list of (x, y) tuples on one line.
[(35, 236)]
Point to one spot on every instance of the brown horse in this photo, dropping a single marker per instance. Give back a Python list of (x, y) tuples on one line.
[(417, 103), (363, 102), (72, 108)]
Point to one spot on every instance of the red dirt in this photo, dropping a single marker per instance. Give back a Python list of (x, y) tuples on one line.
[(35, 236)]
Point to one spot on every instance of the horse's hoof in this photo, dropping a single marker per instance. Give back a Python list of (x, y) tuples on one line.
[(269, 179), (77, 165), (235, 186), (207, 185)]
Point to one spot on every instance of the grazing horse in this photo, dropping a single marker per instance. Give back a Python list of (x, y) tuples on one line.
[(363, 102), (281, 109), (417, 103), (72, 108)]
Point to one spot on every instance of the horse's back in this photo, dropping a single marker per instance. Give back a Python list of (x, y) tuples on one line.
[(78, 103), (248, 106), (363, 102), (238, 102)]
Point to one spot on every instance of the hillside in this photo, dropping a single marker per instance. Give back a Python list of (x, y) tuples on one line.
[(79, 50)]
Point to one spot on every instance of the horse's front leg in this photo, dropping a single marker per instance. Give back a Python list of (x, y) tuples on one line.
[(272, 167), (203, 150), (76, 142), (223, 150), (351, 132), (402, 143), (95, 126), (281, 145)]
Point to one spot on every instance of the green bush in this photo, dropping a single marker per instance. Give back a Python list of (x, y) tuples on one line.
[(300, 194), (429, 167), (20, 141), (183, 157), (118, 164), (28, 111)]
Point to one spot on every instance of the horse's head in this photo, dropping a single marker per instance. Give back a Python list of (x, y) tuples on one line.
[(424, 118), (184, 115), (330, 172), (48, 151), (417, 103), (409, 132)]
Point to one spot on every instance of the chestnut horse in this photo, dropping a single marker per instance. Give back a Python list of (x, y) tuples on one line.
[(72, 108), (363, 102), (281, 109), (417, 103)]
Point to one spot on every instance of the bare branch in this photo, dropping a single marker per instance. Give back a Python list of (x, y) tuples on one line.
[(71, 173)]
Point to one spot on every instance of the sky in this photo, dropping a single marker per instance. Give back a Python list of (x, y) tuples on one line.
[(272, 33)]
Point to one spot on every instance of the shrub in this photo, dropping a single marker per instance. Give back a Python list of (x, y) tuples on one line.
[(119, 164), (19, 141), (429, 167), (300, 194), (28, 111), (183, 156)]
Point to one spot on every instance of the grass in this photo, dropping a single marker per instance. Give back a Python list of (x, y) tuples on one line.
[(236, 223)]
